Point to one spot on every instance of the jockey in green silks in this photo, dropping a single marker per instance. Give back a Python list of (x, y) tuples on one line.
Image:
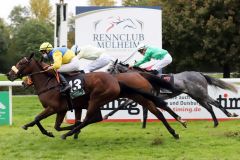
[(161, 56)]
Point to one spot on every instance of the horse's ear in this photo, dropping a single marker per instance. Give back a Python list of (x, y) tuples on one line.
[(116, 62), (31, 56)]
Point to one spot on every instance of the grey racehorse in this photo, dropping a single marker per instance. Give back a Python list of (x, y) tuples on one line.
[(195, 84)]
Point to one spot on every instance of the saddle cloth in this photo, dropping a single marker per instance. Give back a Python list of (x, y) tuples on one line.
[(76, 81)]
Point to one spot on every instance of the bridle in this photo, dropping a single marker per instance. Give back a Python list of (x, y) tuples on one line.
[(19, 73), (114, 68)]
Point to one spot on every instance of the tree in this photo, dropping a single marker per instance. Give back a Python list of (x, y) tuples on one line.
[(4, 44), (182, 35), (19, 15), (41, 10), (142, 2), (200, 33), (29, 36), (102, 2), (71, 32), (222, 33)]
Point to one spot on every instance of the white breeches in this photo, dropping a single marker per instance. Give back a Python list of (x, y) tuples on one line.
[(159, 64), (73, 65), (100, 62)]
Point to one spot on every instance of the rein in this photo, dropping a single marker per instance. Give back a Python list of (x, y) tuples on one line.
[(40, 72), (18, 72), (129, 57), (34, 73)]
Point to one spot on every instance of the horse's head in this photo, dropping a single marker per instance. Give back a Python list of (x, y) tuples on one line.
[(122, 68), (22, 68), (112, 68), (116, 68)]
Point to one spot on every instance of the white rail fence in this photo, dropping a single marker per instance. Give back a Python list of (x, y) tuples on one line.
[(4, 110)]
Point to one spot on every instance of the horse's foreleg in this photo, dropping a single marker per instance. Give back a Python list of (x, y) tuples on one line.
[(78, 116), (60, 117), (43, 130), (93, 115), (44, 114), (77, 129), (210, 110), (176, 116), (161, 117), (145, 115), (151, 107)]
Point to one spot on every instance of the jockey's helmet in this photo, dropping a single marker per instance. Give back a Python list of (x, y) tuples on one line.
[(75, 49), (46, 46), (141, 46)]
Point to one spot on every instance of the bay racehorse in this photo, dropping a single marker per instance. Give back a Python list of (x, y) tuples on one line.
[(100, 88), (194, 84)]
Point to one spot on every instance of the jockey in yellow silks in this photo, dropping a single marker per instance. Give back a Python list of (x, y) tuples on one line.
[(64, 60)]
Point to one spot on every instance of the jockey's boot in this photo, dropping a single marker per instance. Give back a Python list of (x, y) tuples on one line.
[(65, 91), (65, 87)]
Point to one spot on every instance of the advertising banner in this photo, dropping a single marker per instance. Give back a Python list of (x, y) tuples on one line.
[(4, 108), (183, 105)]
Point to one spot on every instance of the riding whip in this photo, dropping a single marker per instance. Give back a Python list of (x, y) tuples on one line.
[(129, 57)]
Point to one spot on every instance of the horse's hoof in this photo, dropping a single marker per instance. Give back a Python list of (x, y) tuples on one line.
[(63, 137), (24, 127), (75, 137), (176, 136), (234, 115), (105, 117), (215, 125), (184, 123), (229, 115), (50, 134)]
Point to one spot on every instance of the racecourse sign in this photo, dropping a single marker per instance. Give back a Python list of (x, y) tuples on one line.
[(119, 30)]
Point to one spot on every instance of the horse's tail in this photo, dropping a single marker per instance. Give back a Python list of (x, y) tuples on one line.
[(157, 81), (219, 83), (130, 90)]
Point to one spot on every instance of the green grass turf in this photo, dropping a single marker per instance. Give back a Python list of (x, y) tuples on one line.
[(3, 77), (116, 141)]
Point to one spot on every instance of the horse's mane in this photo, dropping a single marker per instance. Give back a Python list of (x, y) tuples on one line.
[(118, 65), (43, 66), (135, 68)]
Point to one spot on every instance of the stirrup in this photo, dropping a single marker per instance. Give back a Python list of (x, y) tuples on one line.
[(165, 91)]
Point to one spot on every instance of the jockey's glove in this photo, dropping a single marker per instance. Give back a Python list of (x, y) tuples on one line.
[(50, 68)]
